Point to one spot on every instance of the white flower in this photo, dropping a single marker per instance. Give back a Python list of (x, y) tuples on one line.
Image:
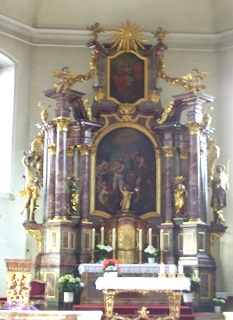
[(103, 247), (151, 251)]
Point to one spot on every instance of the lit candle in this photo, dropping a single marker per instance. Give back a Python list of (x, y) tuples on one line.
[(161, 240), (150, 237), (114, 239), (140, 239), (102, 235), (93, 238), (180, 268)]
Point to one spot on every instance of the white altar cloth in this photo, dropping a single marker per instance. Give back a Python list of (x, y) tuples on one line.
[(143, 283), (126, 268)]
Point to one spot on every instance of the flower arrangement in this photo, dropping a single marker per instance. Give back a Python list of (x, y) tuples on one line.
[(219, 302), (151, 252), (195, 284), (16, 305), (103, 251), (69, 283), (111, 265)]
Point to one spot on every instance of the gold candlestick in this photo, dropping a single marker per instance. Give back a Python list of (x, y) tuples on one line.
[(161, 257), (92, 255), (140, 256), (113, 254)]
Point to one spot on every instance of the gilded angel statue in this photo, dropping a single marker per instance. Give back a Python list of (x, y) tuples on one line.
[(66, 79), (194, 79), (95, 29)]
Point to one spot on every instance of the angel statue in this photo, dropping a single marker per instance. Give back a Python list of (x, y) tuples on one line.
[(179, 195), (95, 29), (66, 79), (194, 79)]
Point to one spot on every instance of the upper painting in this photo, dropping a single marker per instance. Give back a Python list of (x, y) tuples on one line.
[(127, 78)]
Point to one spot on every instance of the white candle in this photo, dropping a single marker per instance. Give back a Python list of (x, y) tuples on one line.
[(162, 268), (180, 268), (114, 239), (150, 237), (171, 269), (140, 239), (102, 235), (93, 238), (161, 240)]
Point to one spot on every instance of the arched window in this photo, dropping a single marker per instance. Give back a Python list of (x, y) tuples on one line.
[(7, 83)]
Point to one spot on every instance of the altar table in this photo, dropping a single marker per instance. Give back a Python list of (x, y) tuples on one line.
[(172, 287)]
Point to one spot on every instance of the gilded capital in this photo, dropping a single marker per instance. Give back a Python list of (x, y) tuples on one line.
[(184, 153), (194, 127), (84, 149), (62, 123), (70, 151), (52, 149), (169, 151)]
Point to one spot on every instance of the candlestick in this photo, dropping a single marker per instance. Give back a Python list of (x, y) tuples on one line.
[(93, 238), (102, 235), (161, 240), (150, 237), (114, 239), (140, 240)]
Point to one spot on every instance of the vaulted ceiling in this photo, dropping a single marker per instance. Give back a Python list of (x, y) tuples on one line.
[(177, 16)]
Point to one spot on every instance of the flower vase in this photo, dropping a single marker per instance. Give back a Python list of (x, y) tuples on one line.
[(151, 260), (187, 297), (68, 297), (217, 309)]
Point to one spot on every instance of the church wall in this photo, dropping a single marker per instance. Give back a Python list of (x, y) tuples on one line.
[(13, 237)]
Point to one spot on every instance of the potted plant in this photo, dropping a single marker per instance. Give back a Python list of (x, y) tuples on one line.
[(151, 253), (69, 285), (194, 288), (111, 268), (218, 304), (103, 252)]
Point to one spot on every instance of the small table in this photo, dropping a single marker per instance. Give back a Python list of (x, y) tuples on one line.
[(172, 287)]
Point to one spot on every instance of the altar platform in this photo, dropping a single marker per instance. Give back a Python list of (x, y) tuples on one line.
[(90, 272)]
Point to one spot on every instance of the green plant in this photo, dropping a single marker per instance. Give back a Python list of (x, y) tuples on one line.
[(219, 302), (151, 252), (69, 283), (103, 251)]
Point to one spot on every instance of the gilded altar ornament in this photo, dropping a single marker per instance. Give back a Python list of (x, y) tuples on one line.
[(67, 79), (194, 79), (128, 37), (154, 96), (99, 95), (194, 127), (127, 108), (62, 123), (38, 237), (44, 113), (213, 155), (72, 195), (166, 113), (87, 107), (220, 185), (95, 30), (180, 194), (160, 34), (169, 151), (33, 183)]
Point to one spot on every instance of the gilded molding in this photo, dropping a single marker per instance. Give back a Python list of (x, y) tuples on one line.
[(194, 127), (166, 113), (88, 109), (213, 237), (127, 108), (62, 123), (169, 151), (70, 151), (52, 149), (184, 154), (84, 149), (38, 237)]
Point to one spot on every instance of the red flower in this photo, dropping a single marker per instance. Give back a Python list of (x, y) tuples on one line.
[(111, 262)]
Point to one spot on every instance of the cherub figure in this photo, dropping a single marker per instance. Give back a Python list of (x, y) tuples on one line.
[(66, 79), (194, 79), (95, 29), (160, 34)]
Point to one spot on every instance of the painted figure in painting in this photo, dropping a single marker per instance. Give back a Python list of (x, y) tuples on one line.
[(33, 184), (219, 186)]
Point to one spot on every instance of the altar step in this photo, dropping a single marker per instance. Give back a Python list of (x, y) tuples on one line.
[(186, 313)]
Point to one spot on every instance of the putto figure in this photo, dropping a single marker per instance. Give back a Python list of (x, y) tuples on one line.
[(219, 185)]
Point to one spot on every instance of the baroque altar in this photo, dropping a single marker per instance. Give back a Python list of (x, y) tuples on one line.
[(123, 170)]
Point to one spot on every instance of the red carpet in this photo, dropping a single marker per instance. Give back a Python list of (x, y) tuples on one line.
[(186, 313)]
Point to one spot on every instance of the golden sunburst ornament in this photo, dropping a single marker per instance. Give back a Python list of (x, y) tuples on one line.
[(128, 37)]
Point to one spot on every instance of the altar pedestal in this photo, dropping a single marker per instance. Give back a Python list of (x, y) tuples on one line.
[(90, 272)]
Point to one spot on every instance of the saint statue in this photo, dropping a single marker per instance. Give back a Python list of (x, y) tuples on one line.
[(219, 186), (179, 195), (126, 198)]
